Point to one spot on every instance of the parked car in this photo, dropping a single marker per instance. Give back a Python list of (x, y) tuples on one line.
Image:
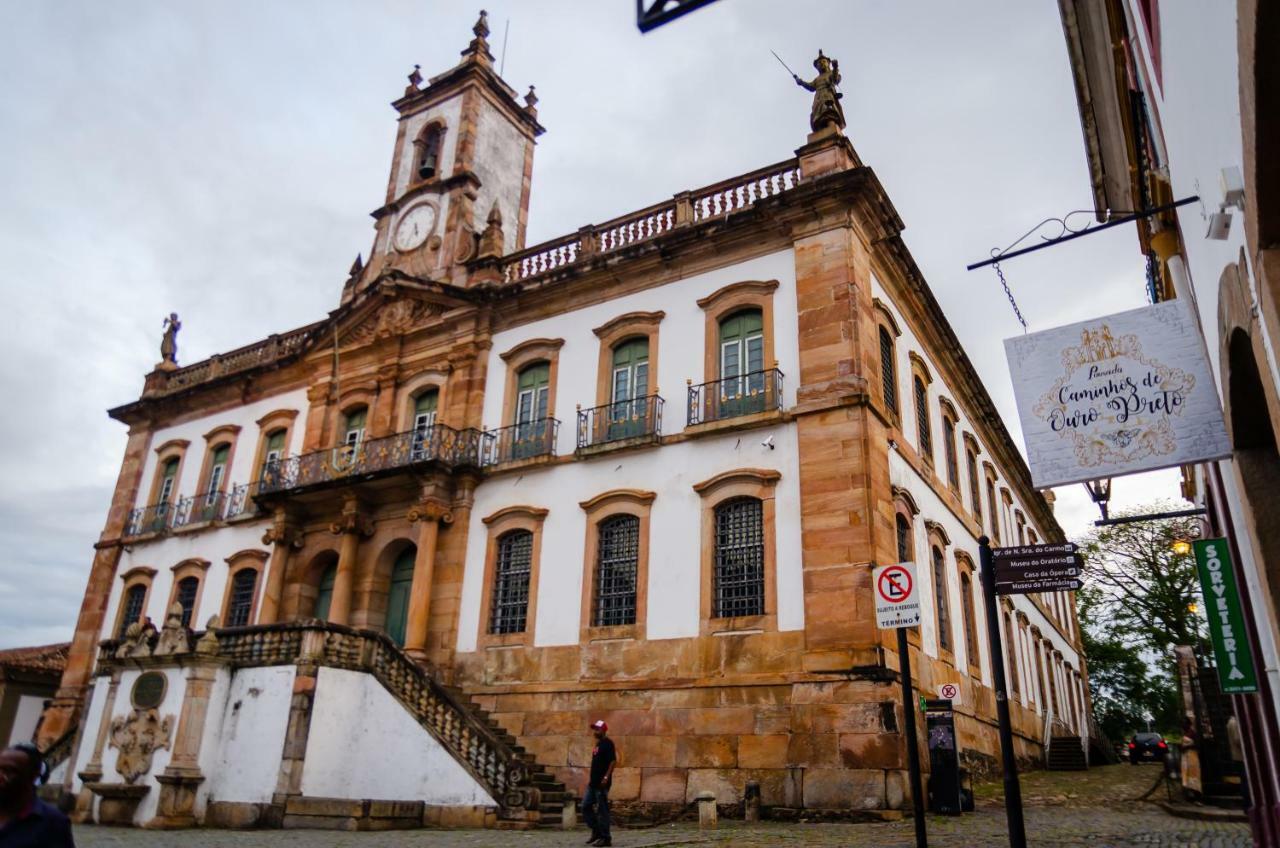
[(1147, 746)]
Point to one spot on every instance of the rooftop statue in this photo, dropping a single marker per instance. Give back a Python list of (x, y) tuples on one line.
[(169, 344), (826, 99)]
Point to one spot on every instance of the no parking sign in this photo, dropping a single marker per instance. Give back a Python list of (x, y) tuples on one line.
[(897, 600)]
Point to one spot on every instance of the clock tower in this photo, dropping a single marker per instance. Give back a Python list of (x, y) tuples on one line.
[(463, 156)]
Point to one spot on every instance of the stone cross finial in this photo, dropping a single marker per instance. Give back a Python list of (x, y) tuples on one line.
[(531, 102), (479, 46)]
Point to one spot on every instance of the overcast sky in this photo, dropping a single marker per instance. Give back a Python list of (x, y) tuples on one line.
[(220, 159)]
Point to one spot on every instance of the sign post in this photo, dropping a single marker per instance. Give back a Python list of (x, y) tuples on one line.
[(898, 607), (1024, 569), (1012, 789), (1236, 672)]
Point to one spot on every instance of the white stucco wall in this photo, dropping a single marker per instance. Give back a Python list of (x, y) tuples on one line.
[(89, 723), (669, 471), (358, 728), (24, 720), (244, 737), (499, 162), (450, 113)]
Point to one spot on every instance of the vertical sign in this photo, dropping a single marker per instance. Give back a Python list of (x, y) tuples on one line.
[(1226, 621)]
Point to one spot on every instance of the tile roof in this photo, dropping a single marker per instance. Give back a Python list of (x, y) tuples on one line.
[(48, 658)]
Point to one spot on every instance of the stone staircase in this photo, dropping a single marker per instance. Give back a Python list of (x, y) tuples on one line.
[(527, 794), (1066, 754)]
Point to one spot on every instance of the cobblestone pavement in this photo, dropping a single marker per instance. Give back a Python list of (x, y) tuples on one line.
[(1062, 809)]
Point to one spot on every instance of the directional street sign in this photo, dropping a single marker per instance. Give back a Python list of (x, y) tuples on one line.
[(897, 596), (1024, 569)]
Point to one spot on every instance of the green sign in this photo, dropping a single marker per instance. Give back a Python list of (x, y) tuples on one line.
[(1226, 621)]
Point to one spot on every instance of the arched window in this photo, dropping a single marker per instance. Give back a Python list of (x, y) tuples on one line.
[(975, 488), (1010, 634), (324, 592), (532, 391), (739, 558), (424, 422), (217, 471), (968, 607), (168, 479), (993, 515), (244, 584), (1021, 521), (353, 423), (509, 603), (925, 433), (904, 538), (949, 449), (629, 388), (275, 448), (888, 370), (398, 595), (617, 563), (134, 598), (429, 145), (188, 589), (940, 599), (742, 383)]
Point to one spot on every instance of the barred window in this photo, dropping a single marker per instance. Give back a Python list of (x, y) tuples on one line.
[(975, 498), (132, 607), (922, 419), (968, 604), (953, 466), (739, 565), (940, 600), (510, 602), (241, 604), (904, 538), (888, 371), (617, 563), (186, 596)]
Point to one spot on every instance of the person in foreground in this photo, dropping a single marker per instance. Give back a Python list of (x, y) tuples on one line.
[(25, 820), (595, 803)]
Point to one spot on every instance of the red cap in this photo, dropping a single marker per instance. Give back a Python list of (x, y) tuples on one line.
[(599, 724)]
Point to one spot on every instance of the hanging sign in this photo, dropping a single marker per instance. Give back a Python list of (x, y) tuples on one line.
[(1117, 395), (897, 596), (1024, 569), (1226, 621)]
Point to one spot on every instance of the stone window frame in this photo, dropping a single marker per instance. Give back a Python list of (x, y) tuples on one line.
[(634, 502), (950, 451), (432, 380), (971, 447), (969, 612), (248, 559), (936, 538), (887, 324), (923, 415), (417, 145), (499, 523), (139, 575), (520, 357), (223, 434), (193, 567), (164, 453), (353, 398), (993, 511), (758, 483), (624, 328), (722, 304), (272, 422)]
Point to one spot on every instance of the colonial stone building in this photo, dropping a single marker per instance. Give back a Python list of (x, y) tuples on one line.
[(641, 473)]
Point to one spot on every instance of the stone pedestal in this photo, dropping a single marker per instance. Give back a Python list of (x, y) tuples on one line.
[(177, 803), (119, 801)]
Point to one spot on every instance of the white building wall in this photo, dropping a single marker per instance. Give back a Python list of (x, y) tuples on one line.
[(244, 736), (92, 718), (358, 728), (24, 720), (450, 114), (499, 163)]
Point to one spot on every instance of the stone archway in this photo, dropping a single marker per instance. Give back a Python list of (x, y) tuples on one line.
[(386, 582)]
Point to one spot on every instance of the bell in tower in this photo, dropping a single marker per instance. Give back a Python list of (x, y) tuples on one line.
[(464, 146)]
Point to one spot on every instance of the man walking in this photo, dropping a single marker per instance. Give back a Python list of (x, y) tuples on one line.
[(595, 804), (25, 820)]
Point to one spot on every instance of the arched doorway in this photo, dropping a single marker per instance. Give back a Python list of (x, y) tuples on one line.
[(398, 595), (1253, 440)]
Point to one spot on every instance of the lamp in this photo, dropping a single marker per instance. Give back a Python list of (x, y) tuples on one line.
[(1181, 547), (1100, 492)]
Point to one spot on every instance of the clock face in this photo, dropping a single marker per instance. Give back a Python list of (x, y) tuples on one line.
[(415, 226)]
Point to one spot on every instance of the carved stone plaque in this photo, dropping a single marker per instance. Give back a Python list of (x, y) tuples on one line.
[(148, 690)]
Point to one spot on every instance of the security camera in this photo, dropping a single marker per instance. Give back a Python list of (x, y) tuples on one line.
[(768, 443)]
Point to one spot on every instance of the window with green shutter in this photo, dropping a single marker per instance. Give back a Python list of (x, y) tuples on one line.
[(630, 388), (742, 363), (424, 422), (398, 595), (353, 426), (533, 387), (217, 471), (168, 479)]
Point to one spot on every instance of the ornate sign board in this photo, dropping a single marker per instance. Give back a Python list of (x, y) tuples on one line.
[(1037, 568), (1117, 395), (897, 595), (1236, 672)]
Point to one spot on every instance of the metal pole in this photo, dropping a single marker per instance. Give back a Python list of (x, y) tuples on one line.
[(913, 745), (1151, 516), (1012, 789)]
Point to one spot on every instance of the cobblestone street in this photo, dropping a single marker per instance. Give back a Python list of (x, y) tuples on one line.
[(1062, 808)]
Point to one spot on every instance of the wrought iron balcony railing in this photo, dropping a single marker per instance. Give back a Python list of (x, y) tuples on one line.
[(520, 441), (437, 443), (239, 503), (199, 509), (154, 518), (624, 420), (733, 397)]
